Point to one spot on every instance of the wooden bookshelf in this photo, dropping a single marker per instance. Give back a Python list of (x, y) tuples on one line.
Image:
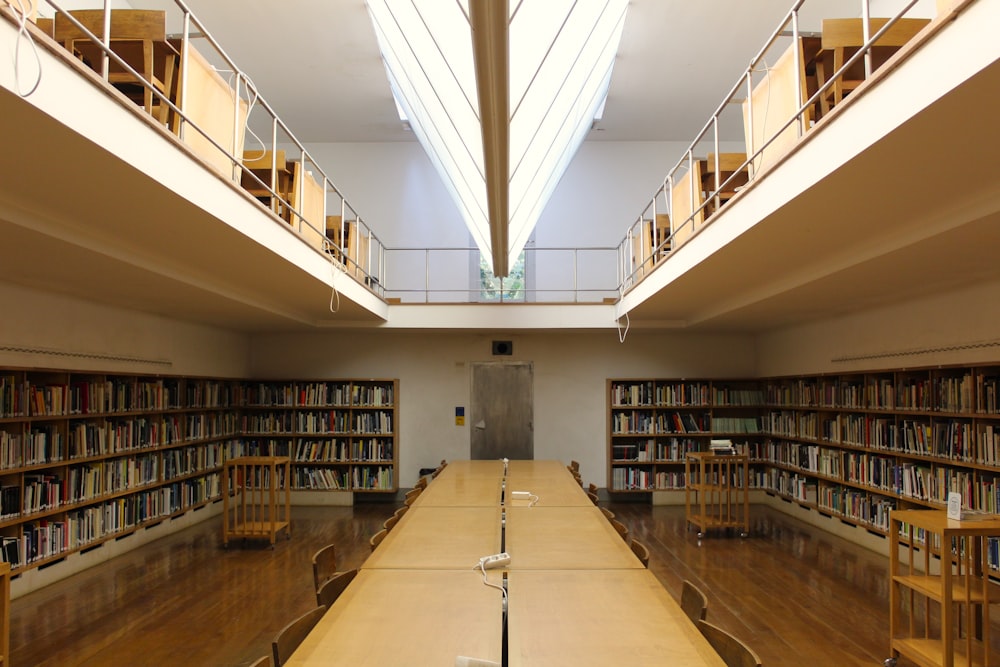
[(88, 457), (653, 424), (339, 434), (853, 446)]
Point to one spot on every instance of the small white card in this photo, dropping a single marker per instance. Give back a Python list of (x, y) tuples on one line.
[(955, 506)]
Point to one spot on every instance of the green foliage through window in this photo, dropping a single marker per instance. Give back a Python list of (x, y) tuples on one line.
[(510, 288)]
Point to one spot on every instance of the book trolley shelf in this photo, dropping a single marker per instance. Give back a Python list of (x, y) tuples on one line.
[(87, 457), (715, 493), (259, 499), (960, 590)]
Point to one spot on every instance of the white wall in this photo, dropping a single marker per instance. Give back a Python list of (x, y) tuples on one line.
[(947, 328), (604, 190), (90, 336), (570, 373)]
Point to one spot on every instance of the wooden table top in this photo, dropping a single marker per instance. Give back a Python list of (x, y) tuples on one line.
[(608, 617), (461, 491), (564, 538), (408, 617), (553, 484), (468, 469), (439, 538)]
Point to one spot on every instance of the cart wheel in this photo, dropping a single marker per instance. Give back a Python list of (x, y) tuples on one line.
[(744, 534), (890, 662), (700, 535)]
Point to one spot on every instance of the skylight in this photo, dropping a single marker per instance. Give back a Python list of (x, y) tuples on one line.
[(561, 54)]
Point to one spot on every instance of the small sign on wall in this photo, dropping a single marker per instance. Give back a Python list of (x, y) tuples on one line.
[(459, 416)]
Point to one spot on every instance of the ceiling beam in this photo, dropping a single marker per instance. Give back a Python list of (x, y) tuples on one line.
[(489, 20)]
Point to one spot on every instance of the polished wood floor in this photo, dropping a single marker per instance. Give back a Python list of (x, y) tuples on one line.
[(796, 594)]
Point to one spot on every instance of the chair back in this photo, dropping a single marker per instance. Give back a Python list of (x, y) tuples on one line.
[(391, 522), (291, 635), (332, 589), (608, 514), (693, 602), (640, 551), (131, 24), (263, 661), (593, 497), (324, 565), (377, 538), (411, 496), (732, 651), (621, 528)]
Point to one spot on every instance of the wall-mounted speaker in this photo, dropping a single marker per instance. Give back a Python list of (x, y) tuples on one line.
[(502, 348)]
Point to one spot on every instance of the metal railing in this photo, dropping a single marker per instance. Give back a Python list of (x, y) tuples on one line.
[(567, 275), (643, 247), (363, 256)]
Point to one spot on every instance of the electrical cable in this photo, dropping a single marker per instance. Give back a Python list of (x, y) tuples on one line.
[(489, 583), (623, 334), (333, 283), (24, 34)]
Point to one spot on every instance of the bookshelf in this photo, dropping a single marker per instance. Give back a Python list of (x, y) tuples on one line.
[(88, 457), (850, 446), (339, 434), (653, 424)]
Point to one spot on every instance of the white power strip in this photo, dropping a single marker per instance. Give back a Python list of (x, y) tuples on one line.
[(520, 495), (495, 561)]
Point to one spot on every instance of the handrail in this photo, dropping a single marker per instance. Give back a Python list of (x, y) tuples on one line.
[(631, 268), (539, 283), (327, 247)]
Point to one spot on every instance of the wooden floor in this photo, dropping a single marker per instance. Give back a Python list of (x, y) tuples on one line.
[(796, 594)]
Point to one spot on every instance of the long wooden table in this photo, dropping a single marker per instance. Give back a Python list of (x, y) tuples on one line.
[(439, 538), (408, 617), (577, 593), (550, 481), (565, 538), (599, 617)]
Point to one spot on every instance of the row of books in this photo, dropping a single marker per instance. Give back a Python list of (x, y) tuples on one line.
[(332, 421), (20, 397), (343, 451), (48, 538), (190, 460), (642, 421), (372, 478)]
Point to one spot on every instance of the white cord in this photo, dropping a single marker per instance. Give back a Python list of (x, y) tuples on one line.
[(333, 284), (252, 97), (22, 33), (618, 323), (482, 568)]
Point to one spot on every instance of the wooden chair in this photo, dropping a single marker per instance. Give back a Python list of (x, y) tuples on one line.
[(592, 488), (264, 661), (621, 528), (138, 37), (377, 538), (290, 636), (729, 167), (574, 466), (843, 37), (324, 565), (593, 497), (421, 484), (732, 651), (640, 551), (391, 522), (608, 514), (259, 164), (693, 602), (412, 495), (332, 589)]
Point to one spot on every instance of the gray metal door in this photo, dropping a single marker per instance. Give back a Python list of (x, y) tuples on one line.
[(502, 414)]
